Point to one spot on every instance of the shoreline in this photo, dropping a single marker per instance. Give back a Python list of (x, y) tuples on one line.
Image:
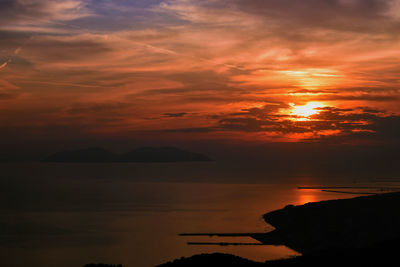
[(362, 230)]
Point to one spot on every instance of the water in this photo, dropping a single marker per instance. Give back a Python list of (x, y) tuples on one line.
[(68, 215)]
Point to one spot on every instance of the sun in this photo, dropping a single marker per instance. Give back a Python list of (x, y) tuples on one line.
[(306, 110)]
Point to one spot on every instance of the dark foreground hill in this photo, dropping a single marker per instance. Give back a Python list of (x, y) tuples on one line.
[(362, 231), (345, 223), (381, 254), (143, 154)]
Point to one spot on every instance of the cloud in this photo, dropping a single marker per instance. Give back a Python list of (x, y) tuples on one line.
[(361, 123), (5, 64), (7, 86), (41, 11), (368, 97), (102, 108), (8, 95), (232, 65), (175, 115), (191, 130), (64, 50), (340, 15)]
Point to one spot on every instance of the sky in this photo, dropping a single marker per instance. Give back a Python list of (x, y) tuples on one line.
[(220, 70)]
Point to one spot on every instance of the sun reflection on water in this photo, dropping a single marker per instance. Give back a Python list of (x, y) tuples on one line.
[(306, 196)]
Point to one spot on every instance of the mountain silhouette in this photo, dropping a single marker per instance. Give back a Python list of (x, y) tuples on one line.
[(142, 154)]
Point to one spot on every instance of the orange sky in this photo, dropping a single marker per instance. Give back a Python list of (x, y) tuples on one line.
[(248, 70)]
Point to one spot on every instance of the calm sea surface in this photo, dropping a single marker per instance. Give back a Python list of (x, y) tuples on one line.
[(66, 215)]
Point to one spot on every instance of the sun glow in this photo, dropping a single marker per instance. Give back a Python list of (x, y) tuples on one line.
[(306, 110)]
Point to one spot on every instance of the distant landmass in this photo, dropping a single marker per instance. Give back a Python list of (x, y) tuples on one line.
[(142, 154)]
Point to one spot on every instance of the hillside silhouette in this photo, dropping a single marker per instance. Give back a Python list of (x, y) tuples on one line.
[(361, 231), (380, 254)]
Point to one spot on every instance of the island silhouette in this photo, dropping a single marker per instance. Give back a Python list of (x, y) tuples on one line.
[(141, 154)]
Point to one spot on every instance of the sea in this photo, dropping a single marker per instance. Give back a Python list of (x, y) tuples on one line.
[(67, 215)]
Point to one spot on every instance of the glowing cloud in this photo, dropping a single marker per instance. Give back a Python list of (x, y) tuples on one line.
[(5, 64), (307, 110)]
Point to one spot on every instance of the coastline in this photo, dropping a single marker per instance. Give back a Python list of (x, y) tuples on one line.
[(362, 231)]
